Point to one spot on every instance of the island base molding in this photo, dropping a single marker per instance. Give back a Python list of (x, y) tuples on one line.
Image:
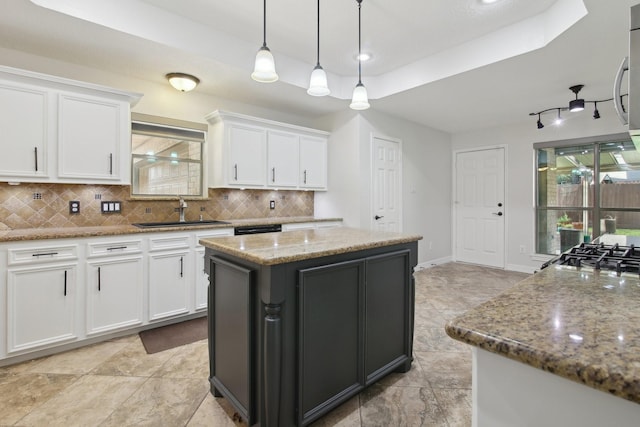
[(507, 393)]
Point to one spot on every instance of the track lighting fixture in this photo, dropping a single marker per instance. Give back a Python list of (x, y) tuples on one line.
[(360, 100), (183, 82), (318, 85), (265, 66), (576, 104)]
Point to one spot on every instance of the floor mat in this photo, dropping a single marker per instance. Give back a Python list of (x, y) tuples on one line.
[(166, 337)]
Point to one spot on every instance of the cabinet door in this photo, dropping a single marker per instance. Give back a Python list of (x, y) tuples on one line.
[(388, 313), (330, 336), (283, 160), (313, 163), (25, 131), (168, 284), (114, 294), (41, 306), (247, 156), (90, 133), (202, 280)]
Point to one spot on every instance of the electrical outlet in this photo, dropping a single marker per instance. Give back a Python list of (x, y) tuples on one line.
[(74, 207), (272, 204)]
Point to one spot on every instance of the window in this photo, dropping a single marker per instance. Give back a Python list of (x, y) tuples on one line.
[(585, 188), (166, 159)]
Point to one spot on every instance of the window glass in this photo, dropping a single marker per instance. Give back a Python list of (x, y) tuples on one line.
[(166, 161), (570, 176)]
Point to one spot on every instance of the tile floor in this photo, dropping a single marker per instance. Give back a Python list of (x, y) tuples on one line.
[(116, 383)]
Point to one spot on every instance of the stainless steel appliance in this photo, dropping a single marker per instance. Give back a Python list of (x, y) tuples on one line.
[(630, 115), (608, 252), (256, 229)]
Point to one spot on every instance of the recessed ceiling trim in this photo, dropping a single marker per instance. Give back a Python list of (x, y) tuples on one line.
[(158, 25)]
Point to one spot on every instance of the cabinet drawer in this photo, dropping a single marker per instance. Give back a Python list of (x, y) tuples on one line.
[(32, 255), (100, 249), (161, 243)]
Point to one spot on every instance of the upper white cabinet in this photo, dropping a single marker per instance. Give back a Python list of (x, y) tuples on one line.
[(248, 152), (60, 130)]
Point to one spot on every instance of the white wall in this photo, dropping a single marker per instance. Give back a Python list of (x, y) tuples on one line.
[(520, 178), (426, 177)]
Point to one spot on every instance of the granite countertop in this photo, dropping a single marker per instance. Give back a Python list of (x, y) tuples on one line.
[(580, 324), (114, 230), (298, 245)]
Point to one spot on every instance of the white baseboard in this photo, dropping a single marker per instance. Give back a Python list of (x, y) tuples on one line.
[(522, 268), (432, 263)]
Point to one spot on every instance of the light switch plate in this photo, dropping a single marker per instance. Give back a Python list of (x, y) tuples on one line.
[(111, 207)]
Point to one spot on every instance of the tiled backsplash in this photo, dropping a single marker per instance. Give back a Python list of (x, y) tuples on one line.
[(47, 205)]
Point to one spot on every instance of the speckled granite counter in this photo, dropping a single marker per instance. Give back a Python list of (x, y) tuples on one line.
[(580, 325), (73, 232), (279, 248)]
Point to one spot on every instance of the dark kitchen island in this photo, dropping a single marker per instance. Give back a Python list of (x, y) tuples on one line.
[(301, 321)]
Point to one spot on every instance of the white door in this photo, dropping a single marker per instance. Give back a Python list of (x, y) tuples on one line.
[(386, 166), (479, 207)]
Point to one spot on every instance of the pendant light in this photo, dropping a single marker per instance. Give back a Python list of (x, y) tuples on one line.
[(265, 68), (360, 100), (318, 83)]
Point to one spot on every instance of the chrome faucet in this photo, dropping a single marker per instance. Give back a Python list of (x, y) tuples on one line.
[(182, 205)]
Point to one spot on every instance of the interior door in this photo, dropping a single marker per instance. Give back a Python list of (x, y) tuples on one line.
[(386, 200), (479, 207)]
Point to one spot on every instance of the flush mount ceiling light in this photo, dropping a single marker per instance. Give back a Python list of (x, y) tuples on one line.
[(576, 104), (183, 82), (318, 85), (360, 100), (265, 66)]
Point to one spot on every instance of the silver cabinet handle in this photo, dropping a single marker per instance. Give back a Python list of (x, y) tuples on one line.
[(116, 248), (110, 163), (65, 283), (273, 174), (235, 172), (305, 176), (35, 151), (99, 280)]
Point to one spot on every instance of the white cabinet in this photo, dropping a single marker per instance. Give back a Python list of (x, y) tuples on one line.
[(169, 275), (246, 146), (26, 128), (310, 225), (90, 135), (114, 285), (313, 163), (282, 157), (249, 152), (63, 131), (41, 303)]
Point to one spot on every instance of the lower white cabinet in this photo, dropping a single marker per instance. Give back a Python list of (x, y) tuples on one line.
[(114, 294), (41, 305), (168, 284)]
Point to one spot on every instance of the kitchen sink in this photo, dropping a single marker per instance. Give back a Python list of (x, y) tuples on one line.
[(178, 223)]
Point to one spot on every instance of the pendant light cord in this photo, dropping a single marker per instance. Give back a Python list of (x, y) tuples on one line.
[(318, 49), (359, 42), (264, 24)]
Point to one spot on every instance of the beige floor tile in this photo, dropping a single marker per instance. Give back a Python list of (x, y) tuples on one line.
[(190, 361), (446, 370), (456, 405), (87, 402), (134, 361), (79, 361), (345, 415), (21, 393), (160, 402), (400, 406), (214, 412)]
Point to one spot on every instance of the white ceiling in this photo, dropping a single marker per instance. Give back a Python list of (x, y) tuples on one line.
[(453, 65)]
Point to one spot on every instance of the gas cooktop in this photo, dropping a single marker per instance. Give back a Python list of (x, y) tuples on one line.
[(601, 256)]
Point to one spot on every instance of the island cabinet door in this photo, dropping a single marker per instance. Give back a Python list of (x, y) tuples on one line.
[(231, 349), (388, 314), (330, 337)]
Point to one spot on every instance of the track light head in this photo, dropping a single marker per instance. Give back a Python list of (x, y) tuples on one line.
[(540, 125), (576, 104), (596, 113)]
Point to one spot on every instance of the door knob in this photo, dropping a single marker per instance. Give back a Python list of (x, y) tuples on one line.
[(499, 205), (497, 213), (378, 217)]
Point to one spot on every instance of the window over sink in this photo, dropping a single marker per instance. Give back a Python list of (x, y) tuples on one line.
[(166, 157)]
